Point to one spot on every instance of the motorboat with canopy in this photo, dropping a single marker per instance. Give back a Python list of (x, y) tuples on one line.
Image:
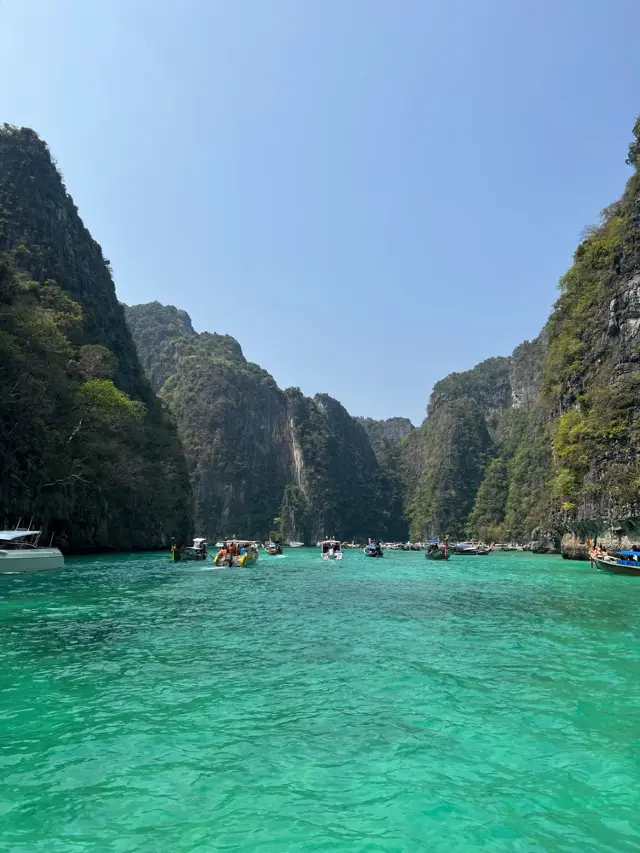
[(237, 552), (20, 552), (625, 562), (197, 551), (331, 549)]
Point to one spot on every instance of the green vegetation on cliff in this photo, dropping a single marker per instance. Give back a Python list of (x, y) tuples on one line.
[(547, 438), (563, 418), (453, 447), (592, 379), (261, 460), (86, 449)]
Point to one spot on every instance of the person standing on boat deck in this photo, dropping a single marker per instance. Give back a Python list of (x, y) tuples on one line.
[(243, 550)]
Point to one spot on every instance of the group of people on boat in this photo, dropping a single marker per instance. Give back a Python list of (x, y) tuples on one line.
[(438, 550), (231, 553), (331, 550), (373, 549), (629, 557)]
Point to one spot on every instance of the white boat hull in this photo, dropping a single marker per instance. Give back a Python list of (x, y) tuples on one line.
[(30, 559)]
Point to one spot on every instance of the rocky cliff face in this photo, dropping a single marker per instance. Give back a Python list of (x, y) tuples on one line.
[(261, 460), (592, 375), (86, 449), (458, 465), (561, 413), (384, 436)]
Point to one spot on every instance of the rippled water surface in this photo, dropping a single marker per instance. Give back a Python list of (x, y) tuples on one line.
[(370, 705)]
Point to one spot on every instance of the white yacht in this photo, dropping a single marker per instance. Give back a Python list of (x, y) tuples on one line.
[(19, 552)]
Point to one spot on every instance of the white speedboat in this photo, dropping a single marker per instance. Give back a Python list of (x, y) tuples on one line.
[(295, 544), (19, 552), (331, 550)]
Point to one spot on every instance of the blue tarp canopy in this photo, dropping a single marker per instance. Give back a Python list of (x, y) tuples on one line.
[(629, 553)]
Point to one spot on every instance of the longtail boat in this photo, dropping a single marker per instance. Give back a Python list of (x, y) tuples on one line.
[(624, 563), (438, 551)]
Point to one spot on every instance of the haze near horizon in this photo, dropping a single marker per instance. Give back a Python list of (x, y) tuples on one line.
[(368, 196)]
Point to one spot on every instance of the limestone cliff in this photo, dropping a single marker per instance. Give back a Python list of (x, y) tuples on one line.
[(458, 465), (385, 435), (554, 430), (592, 374), (86, 448), (262, 461)]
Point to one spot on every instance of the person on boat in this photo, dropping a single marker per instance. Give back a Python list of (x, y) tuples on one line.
[(243, 550)]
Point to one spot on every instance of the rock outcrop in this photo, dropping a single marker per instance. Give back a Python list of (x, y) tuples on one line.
[(574, 547), (544, 541)]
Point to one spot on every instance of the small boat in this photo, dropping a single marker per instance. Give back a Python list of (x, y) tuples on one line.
[(236, 552), (438, 551), (296, 544), (373, 549), (20, 552), (471, 549), (331, 549), (465, 549), (625, 562), (197, 551), (273, 548)]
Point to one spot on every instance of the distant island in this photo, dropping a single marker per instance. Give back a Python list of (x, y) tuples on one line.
[(122, 428)]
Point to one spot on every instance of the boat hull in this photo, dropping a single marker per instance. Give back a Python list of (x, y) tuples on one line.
[(30, 560), (188, 555), (616, 568), (236, 562), (438, 555)]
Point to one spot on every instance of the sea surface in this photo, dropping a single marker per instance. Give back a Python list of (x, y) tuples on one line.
[(395, 705)]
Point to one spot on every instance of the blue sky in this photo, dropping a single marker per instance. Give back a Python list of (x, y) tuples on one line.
[(368, 195)]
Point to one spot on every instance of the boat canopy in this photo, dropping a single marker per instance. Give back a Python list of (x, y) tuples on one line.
[(10, 535), (626, 553), (198, 541), (330, 542)]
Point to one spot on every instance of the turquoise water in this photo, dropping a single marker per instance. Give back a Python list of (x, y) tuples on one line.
[(370, 705)]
